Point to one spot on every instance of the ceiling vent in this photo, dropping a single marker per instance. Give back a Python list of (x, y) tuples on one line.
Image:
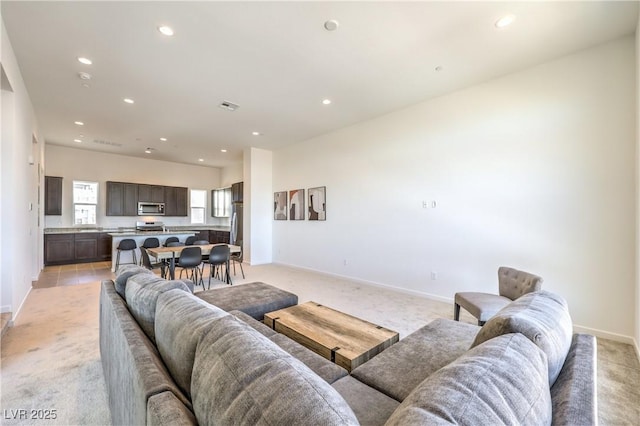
[(103, 142), (229, 106)]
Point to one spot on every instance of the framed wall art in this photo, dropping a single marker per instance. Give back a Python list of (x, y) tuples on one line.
[(296, 204), (317, 203), (280, 205)]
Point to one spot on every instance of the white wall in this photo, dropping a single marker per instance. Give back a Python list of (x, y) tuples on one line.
[(533, 170), (258, 206), (20, 217), (231, 174), (77, 164)]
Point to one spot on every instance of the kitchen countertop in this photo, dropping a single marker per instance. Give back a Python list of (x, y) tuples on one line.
[(120, 231)]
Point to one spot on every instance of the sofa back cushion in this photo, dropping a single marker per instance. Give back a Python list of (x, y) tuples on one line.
[(541, 316), (125, 272), (181, 320), (241, 377), (502, 381), (142, 293)]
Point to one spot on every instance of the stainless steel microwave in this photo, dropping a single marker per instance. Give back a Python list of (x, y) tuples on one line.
[(150, 209)]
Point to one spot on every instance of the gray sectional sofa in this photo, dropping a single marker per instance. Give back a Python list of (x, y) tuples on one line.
[(171, 358)]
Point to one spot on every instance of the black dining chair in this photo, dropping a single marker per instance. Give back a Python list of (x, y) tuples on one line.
[(171, 240), (219, 257), (237, 258), (127, 244), (190, 260), (145, 260), (190, 240), (148, 243)]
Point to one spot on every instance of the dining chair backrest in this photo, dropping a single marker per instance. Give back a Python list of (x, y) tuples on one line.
[(190, 256), (175, 244), (146, 261), (201, 243), (171, 240), (219, 255), (190, 240), (151, 242)]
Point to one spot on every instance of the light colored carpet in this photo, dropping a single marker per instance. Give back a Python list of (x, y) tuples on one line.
[(50, 358)]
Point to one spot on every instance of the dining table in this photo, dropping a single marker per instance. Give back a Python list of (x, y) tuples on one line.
[(170, 254)]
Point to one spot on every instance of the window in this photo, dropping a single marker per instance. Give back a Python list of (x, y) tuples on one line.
[(222, 202), (85, 202), (198, 205)]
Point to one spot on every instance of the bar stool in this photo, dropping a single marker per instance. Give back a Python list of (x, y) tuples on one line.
[(128, 244)]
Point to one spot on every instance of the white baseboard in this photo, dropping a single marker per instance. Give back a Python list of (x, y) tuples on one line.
[(5, 308), (17, 312), (373, 284), (576, 328)]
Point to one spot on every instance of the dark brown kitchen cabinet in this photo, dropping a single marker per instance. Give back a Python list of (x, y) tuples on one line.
[(219, 237), (80, 247), (130, 202), (122, 199), (104, 246), (52, 195), (151, 193), (175, 199), (237, 190), (115, 199), (59, 249), (86, 247), (202, 235)]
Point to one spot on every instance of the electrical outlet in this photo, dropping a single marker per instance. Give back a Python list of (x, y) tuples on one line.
[(434, 275), (344, 262)]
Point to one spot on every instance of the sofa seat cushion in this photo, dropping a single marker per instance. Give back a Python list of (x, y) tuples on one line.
[(399, 369), (241, 377), (544, 318), (371, 407), (124, 273), (254, 299), (181, 320), (502, 381), (142, 293)]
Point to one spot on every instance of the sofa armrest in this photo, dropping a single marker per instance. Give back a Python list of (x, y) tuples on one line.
[(574, 395)]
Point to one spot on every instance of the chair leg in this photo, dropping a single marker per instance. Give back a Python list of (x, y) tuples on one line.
[(135, 261), (456, 312), (117, 260), (234, 269)]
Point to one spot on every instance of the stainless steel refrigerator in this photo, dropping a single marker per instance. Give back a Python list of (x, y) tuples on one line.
[(236, 223)]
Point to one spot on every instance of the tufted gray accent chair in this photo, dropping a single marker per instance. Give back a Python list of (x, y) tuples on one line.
[(512, 284)]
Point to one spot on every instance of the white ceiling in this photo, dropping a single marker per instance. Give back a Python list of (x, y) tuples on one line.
[(275, 60)]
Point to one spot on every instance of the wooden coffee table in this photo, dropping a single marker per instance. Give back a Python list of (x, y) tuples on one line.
[(344, 339)]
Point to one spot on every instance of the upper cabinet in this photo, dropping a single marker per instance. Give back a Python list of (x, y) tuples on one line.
[(151, 193), (123, 198), (53, 195), (236, 192), (175, 199)]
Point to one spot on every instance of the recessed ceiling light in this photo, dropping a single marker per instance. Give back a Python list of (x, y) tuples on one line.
[(331, 25), (438, 68), (168, 31), (148, 150), (255, 133), (505, 21), (163, 139), (84, 60), (223, 150), (77, 140), (128, 100), (79, 123), (84, 76), (200, 159), (326, 101)]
